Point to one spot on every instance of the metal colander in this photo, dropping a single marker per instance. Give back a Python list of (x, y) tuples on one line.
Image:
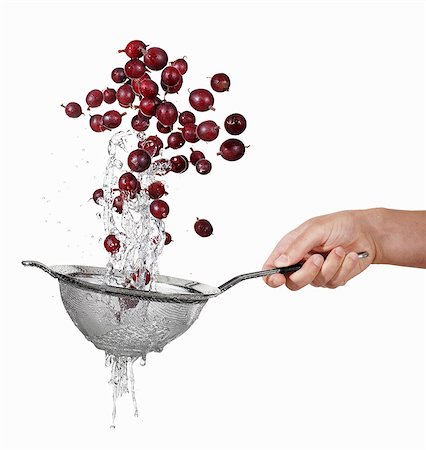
[(126, 322)]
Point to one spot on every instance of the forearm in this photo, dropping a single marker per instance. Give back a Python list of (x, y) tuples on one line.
[(399, 236)]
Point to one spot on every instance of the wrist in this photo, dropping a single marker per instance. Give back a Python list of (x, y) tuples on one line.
[(373, 224), (398, 236)]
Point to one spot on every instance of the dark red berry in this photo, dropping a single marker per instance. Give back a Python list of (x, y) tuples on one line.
[(94, 98), (220, 82), (203, 227), (118, 75), (163, 129), (195, 156), (186, 117), (138, 160), (168, 239), (208, 130), (139, 123), (167, 113), (111, 119), (134, 49), (159, 209), (201, 100), (110, 95), (125, 95), (148, 88), (179, 163), (148, 106), (111, 244), (181, 65), (235, 124), (155, 58), (175, 140), (97, 195), (128, 182), (136, 83), (134, 68), (96, 123), (232, 150), (173, 89), (147, 277), (118, 204), (170, 76), (203, 166), (189, 132), (152, 145), (156, 189), (73, 110)]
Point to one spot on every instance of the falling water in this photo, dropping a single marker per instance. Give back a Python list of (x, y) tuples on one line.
[(141, 239), (141, 236)]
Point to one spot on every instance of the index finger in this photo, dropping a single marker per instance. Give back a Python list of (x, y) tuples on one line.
[(282, 245), (277, 279), (310, 239), (295, 245)]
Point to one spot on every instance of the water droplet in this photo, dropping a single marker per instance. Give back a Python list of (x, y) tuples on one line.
[(92, 236), (99, 215), (112, 427), (87, 162), (142, 361)]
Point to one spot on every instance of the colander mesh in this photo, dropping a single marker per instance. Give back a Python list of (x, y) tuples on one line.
[(128, 323), (127, 326)]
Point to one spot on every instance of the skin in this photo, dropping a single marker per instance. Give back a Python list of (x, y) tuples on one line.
[(329, 245)]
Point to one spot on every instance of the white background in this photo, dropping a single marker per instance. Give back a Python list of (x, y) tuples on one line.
[(334, 94)]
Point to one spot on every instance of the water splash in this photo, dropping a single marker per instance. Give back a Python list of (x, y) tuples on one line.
[(141, 235), (141, 239)]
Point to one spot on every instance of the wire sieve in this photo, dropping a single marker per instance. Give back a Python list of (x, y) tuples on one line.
[(129, 322)]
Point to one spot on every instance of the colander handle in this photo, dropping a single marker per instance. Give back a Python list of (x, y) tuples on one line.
[(264, 273), (42, 267)]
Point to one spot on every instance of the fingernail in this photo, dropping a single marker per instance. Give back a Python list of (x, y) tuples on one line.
[(340, 252), (354, 256), (282, 261), (317, 260)]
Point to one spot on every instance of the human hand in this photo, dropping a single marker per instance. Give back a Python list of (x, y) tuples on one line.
[(328, 245)]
